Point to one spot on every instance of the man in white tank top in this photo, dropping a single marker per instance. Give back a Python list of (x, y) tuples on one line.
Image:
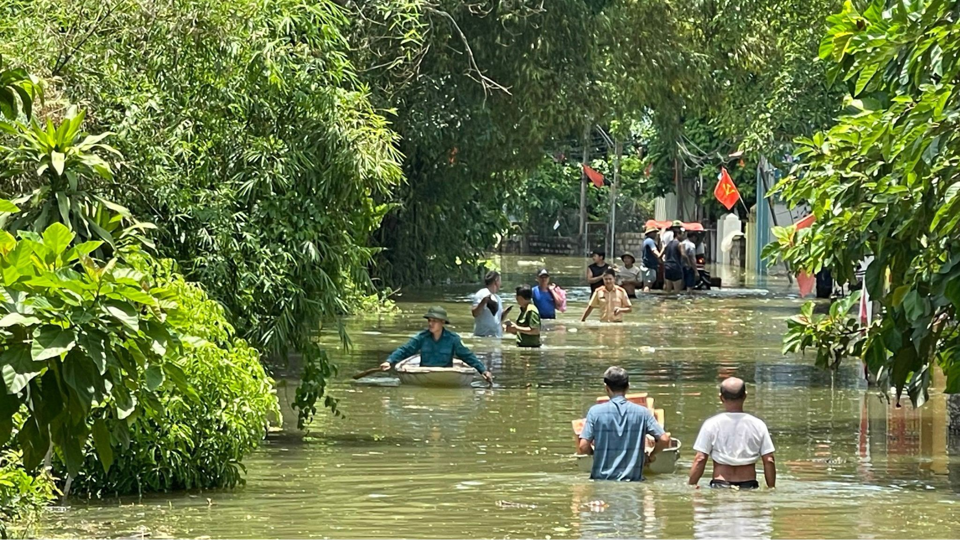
[(735, 441)]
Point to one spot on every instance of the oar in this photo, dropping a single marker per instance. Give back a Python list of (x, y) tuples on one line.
[(370, 371)]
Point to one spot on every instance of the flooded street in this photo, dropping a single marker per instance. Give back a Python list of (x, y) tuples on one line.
[(429, 463)]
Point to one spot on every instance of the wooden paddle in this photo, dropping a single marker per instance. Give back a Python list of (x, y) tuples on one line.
[(370, 371)]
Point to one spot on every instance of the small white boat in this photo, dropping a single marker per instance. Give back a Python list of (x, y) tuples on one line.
[(665, 463), (410, 372)]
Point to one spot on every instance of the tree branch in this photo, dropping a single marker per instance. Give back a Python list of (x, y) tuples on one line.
[(487, 83)]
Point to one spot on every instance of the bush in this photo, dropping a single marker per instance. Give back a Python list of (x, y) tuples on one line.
[(22, 496), (201, 436)]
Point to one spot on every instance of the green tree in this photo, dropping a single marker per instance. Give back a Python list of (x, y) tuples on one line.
[(883, 183), (250, 143)]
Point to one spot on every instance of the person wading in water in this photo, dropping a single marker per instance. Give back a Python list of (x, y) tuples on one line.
[(596, 270), (735, 441), (546, 296), (615, 433), (487, 308), (437, 346), (611, 300), (527, 327), (673, 264)]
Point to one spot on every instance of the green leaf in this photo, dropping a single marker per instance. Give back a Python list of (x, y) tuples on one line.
[(873, 278), (18, 368), (126, 404), (865, 76), (13, 319), (94, 344), (7, 243), (101, 440), (70, 440), (124, 313), (33, 441), (57, 161), (9, 405), (82, 250), (913, 305), (154, 377), (897, 298), (50, 341), (57, 238), (179, 379), (80, 373), (7, 207)]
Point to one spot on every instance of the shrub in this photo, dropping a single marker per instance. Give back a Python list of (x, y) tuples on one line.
[(201, 436), (22, 495)]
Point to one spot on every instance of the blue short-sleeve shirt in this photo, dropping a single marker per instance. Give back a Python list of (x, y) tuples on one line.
[(617, 429)]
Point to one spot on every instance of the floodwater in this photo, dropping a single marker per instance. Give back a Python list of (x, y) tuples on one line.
[(413, 462)]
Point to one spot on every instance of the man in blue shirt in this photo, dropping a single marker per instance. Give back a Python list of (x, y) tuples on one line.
[(615, 433), (545, 296), (437, 346)]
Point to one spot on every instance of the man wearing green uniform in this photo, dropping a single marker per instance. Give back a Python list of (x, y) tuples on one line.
[(437, 346), (527, 327)]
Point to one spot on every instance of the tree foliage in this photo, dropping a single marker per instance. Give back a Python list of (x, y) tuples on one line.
[(249, 140), (883, 183), (78, 336), (479, 94), (200, 436)]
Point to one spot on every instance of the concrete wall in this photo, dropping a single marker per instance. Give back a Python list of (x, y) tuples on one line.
[(555, 245)]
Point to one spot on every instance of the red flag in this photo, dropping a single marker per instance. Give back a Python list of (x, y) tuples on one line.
[(726, 191), (594, 176)]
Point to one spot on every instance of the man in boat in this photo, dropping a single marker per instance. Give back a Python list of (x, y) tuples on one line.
[(546, 296), (437, 346), (527, 327), (487, 309), (735, 441), (615, 433), (611, 300)]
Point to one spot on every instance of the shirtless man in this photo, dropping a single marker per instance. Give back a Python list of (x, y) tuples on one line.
[(735, 441)]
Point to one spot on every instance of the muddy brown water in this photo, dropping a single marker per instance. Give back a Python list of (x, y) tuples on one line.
[(428, 463)]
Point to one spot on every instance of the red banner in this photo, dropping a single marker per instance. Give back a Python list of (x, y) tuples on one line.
[(594, 176), (726, 191)]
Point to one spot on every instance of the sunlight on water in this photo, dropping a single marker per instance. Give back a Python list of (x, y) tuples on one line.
[(478, 462)]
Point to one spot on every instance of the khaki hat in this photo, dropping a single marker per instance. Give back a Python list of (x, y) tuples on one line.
[(437, 312), (650, 230), (677, 223), (628, 254)]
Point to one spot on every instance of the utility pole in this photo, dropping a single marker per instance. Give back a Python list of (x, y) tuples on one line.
[(583, 189), (614, 192)]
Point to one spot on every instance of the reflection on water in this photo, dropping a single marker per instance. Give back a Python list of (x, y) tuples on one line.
[(732, 514), (409, 462)]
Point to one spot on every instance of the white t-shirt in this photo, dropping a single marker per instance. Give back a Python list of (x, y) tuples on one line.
[(665, 238), (734, 439), (486, 323), (628, 274)]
